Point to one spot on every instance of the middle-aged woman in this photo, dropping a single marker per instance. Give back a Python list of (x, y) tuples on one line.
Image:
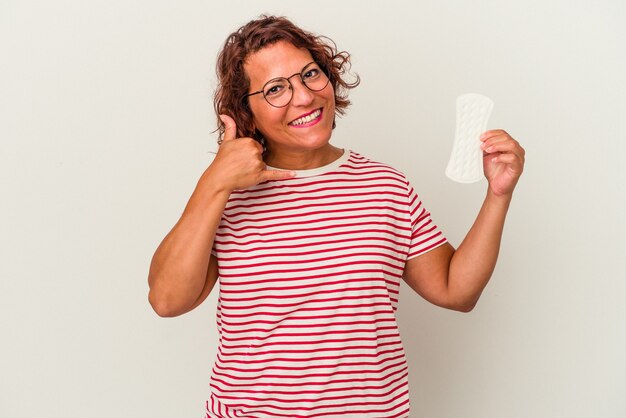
[(310, 241)]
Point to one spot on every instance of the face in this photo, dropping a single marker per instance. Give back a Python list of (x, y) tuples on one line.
[(305, 124)]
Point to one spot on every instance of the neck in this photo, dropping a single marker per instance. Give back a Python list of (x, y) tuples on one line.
[(302, 160)]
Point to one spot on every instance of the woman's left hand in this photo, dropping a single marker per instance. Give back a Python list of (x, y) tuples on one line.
[(503, 161)]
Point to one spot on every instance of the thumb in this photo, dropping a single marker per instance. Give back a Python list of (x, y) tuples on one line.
[(230, 127)]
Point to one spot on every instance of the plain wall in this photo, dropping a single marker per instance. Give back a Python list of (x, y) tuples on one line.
[(106, 124)]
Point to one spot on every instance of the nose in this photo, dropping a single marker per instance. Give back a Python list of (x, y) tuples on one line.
[(302, 96)]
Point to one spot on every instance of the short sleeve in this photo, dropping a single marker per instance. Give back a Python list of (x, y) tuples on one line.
[(425, 235)]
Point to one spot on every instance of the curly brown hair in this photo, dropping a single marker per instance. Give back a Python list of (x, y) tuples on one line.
[(233, 83)]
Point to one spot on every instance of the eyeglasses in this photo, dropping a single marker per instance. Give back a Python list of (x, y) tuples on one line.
[(278, 92)]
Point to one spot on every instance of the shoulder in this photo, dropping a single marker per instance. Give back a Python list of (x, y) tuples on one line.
[(357, 161)]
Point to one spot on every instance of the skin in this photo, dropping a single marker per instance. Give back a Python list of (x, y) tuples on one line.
[(455, 279), (183, 271), (290, 147)]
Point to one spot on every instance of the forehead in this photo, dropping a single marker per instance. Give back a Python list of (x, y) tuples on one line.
[(281, 59)]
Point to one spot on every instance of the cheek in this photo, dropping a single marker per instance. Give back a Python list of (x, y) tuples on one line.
[(330, 96), (258, 115), (266, 119)]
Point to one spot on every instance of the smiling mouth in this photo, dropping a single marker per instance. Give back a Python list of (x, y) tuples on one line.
[(307, 120)]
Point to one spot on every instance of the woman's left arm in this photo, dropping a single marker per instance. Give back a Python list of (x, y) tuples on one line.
[(453, 278)]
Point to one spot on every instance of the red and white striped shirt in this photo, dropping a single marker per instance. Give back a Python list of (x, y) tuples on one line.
[(309, 274)]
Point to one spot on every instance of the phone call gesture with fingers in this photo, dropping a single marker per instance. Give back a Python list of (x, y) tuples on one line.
[(239, 161)]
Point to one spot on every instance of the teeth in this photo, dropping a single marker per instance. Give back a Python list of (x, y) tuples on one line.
[(306, 119)]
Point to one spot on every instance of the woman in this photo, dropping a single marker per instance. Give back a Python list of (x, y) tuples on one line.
[(310, 241)]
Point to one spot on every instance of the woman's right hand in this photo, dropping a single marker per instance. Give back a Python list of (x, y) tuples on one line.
[(239, 161)]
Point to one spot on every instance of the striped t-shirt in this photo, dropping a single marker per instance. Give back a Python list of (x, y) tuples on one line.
[(309, 274)]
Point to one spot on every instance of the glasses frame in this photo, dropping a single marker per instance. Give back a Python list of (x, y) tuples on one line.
[(288, 79)]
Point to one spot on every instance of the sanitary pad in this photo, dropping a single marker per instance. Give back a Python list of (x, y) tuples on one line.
[(466, 160)]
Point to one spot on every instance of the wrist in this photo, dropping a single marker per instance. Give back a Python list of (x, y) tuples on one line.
[(503, 200), (211, 182)]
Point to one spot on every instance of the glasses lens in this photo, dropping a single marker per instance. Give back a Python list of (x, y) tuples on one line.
[(277, 92), (314, 78)]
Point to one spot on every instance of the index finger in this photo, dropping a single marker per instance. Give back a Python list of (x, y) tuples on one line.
[(491, 133)]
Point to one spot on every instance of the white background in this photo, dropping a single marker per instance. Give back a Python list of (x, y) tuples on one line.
[(105, 127)]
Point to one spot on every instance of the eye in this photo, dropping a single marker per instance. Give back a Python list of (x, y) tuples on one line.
[(311, 73), (275, 88)]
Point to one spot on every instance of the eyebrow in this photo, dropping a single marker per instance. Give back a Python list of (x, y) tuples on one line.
[(283, 77)]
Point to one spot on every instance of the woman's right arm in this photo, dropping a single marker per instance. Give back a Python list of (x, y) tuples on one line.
[(183, 271)]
